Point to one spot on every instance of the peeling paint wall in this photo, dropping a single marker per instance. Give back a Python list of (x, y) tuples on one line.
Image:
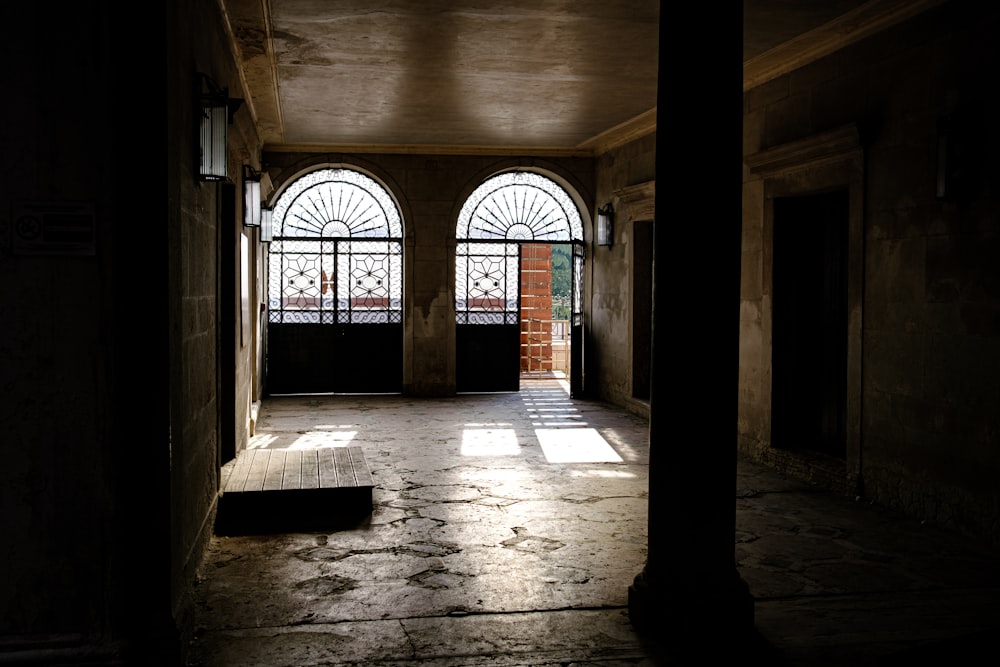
[(609, 357)]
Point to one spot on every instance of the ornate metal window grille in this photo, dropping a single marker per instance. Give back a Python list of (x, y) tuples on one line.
[(576, 314), (506, 210), (336, 253), (487, 283), (519, 206)]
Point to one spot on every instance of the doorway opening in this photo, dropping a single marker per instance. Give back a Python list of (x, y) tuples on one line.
[(810, 323), (518, 266), (642, 307), (545, 309)]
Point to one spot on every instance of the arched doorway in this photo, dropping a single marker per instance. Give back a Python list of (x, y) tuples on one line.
[(335, 287), (502, 219)]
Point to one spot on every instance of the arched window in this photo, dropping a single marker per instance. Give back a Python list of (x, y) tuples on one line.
[(505, 211), (336, 254)]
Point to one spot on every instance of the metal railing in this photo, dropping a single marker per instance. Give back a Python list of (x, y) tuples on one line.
[(545, 345)]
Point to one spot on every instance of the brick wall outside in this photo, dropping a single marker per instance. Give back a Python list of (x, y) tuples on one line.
[(536, 307)]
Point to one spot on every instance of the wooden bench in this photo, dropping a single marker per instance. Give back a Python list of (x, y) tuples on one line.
[(269, 490)]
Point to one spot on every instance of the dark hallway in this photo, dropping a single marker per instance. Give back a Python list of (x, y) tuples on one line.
[(138, 346)]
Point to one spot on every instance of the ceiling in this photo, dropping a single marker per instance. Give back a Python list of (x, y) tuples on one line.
[(504, 76)]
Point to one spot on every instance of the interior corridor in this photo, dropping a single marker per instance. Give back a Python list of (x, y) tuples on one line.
[(506, 529)]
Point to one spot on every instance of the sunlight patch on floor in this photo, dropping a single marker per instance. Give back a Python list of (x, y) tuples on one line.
[(490, 442), (575, 445), (602, 473), (319, 439), (262, 441)]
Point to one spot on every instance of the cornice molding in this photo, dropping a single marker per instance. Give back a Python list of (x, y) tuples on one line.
[(864, 21), (428, 149), (640, 200), (630, 130), (839, 144)]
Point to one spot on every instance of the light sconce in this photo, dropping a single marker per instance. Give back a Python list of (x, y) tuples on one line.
[(214, 108), (605, 225), (265, 225), (251, 197)]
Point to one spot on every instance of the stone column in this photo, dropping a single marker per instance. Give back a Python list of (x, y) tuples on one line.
[(690, 596)]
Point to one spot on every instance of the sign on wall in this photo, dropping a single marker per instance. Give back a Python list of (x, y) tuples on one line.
[(53, 228)]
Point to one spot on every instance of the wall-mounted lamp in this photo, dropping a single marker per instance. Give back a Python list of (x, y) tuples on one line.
[(251, 197), (214, 107), (605, 225), (265, 225), (960, 155)]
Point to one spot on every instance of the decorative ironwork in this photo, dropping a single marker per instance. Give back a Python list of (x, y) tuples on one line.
[(519, 206), (505, 211), (488, 286), (336, 254), (336, 203), (576, 314)]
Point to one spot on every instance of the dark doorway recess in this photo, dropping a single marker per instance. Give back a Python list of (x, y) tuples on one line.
[(227, 338), (809, 334), (642, 301)]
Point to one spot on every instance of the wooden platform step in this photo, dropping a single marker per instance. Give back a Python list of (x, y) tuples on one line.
[(272, 490)]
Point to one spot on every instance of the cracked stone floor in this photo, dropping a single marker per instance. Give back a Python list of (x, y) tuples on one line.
[(489, 534), (495, 540)]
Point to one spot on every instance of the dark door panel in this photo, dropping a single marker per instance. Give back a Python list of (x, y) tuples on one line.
[(369, 359), (334, 358), (576, 388), (300, 358), (488, 357)]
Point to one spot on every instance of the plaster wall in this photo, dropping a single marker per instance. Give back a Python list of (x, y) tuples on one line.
[(924, 328), (610, 324)]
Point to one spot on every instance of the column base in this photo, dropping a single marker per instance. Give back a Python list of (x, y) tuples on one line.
[(684, 622)]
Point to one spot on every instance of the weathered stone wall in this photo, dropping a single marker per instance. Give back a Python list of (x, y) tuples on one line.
[(928, 306), (609, 358), (213, 334)]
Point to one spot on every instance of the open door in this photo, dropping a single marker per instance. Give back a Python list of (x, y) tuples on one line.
[(507, 211)]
